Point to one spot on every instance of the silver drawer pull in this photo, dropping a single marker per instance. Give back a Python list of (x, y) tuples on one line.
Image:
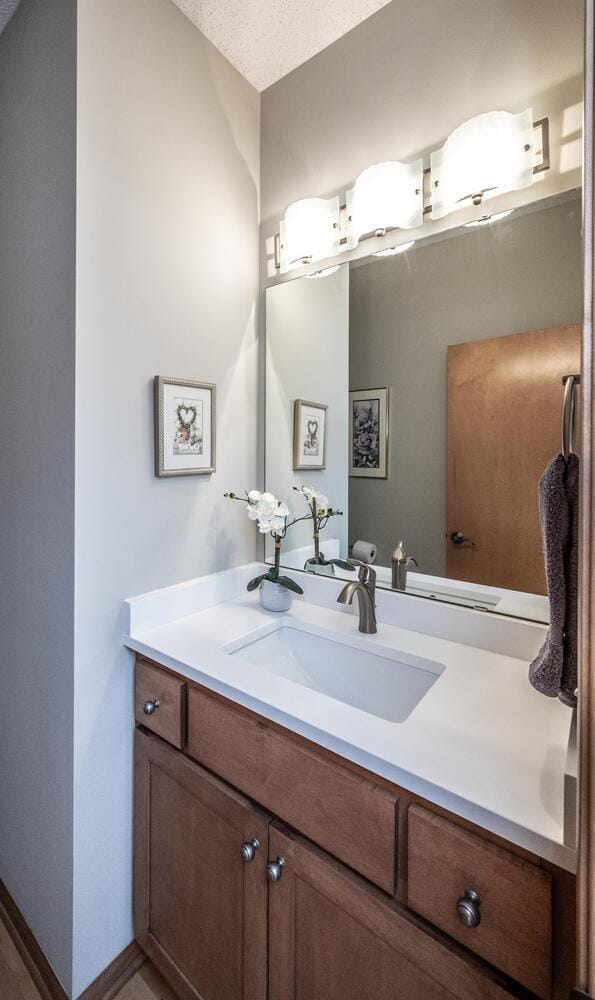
[(468, 909), (249, 849), (150, 707), (275, 869)]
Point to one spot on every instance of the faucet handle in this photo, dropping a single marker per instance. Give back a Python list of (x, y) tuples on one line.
[(367, 574)]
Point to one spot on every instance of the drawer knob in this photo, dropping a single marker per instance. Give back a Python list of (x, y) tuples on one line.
[(275, 869), (249, 849), (150, 707), (468, 909)]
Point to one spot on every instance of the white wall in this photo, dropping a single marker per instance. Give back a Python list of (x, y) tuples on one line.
[(37, 337), (308, 358), (167, 201)]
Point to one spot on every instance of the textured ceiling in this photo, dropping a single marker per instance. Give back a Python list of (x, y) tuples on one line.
[(266, 39)]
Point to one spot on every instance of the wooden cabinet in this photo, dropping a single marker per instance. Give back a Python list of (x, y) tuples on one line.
[(348, 815), (200, 909), (507, 901), (160, 702), (334, 937), (366, 902)]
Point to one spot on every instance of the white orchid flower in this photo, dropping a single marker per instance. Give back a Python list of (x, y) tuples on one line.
[(254, 496), (282, 510), (321, 502), (252, 512), (277, 523)]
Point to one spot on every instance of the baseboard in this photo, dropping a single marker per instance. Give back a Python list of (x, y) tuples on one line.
[(111, 980), (48, 985), (105, 987)]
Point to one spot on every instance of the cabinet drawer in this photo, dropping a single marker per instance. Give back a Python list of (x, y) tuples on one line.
[(515, 897), (348, 815), (168, 694)]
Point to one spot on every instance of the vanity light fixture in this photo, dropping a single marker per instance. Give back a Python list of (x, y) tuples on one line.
[(385, 196), (324, 273), (486, 156), (391, 251), (486, 220), (309, 232)]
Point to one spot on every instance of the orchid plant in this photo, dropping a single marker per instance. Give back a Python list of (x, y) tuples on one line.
[(321, 512), (272, 518)]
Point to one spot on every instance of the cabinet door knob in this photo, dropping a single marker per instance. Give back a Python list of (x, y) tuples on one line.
[(151, 706), (249, 849), (275, 869), (468, 908)]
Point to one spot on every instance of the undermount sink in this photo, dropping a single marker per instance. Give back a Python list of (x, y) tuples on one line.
[(382, 682)]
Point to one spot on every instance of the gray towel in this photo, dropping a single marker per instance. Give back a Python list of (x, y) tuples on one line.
[(554, 670)]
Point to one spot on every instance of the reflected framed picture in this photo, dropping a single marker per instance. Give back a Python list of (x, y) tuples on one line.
[(184, 427), (368, 433), (309, 435)]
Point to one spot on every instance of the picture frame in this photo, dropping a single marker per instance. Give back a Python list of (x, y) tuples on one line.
[(309, 435), (185, 427), (368, 433)]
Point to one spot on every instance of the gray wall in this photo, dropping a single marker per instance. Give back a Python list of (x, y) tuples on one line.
[(523, 273), (37, 337), (307, 358), (167, 272)]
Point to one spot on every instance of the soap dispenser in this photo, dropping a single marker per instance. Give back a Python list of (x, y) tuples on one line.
[(400, 563)]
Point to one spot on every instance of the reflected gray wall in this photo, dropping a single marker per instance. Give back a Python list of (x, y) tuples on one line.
[(523, 273), (307, 358), (37, 359)]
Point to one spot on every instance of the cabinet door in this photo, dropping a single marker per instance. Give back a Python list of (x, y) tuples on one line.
[(200, 909), (334, 936)]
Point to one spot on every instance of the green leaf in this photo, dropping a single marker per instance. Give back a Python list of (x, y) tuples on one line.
[(272, 575), (284, 581), (256, 582)]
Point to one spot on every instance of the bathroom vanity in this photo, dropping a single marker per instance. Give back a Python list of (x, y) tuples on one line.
[(321, 814)]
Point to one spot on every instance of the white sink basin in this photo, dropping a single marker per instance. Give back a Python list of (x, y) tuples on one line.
[(377, 680)]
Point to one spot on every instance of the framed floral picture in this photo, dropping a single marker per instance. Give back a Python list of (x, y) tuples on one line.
[(184, 427), (368, 419), (309, 435)]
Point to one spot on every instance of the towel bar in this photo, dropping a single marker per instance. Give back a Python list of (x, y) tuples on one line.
[(569, 411)]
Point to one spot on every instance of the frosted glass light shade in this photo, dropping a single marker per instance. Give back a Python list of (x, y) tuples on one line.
[(484, 157), (309, 232), (385, 196)]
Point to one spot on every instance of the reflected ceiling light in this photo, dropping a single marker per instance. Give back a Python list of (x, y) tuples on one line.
[(309, 232), (391, 251), (484, 157), (385, 196), (324, 273), (487, 220)]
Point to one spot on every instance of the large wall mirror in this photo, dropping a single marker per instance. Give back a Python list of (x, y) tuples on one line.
[(422, 393)]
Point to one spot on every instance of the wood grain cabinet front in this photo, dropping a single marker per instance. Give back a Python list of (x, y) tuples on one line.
[(495, 903), (200, 888), (334, 937), (160, 702), (353, 818)]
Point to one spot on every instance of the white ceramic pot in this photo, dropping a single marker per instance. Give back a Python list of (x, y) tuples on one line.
[(274, 597)]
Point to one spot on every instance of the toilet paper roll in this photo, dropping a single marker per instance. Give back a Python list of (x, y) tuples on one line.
[(364, 551)]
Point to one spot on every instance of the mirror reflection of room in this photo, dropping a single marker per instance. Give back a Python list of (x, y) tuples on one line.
[(438, 375)]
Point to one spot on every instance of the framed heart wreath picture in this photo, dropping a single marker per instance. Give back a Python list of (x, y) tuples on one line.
[(184, 427), (309, 434)]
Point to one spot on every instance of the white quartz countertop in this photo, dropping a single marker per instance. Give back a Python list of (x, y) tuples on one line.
[(481, 743)]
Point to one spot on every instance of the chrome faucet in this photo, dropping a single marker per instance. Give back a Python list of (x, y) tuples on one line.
[(365, 588)]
